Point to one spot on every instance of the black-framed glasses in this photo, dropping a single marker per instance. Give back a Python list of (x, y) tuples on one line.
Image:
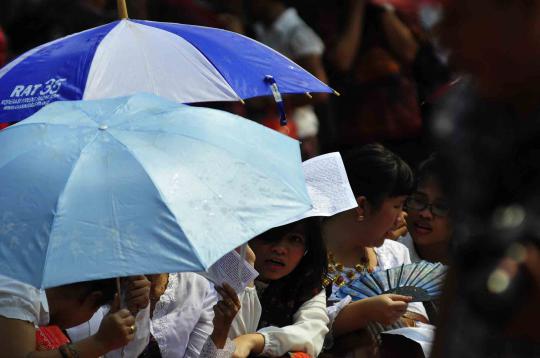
[(419, 203)]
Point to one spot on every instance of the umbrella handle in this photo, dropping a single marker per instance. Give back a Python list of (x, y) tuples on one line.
[(119, 291), (270, 81), (122, 9)]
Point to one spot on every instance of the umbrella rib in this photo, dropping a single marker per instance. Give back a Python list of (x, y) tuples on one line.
[(251, 40), (203, 55), (75, 164), (147, 66), (200, 140), (160, 193)]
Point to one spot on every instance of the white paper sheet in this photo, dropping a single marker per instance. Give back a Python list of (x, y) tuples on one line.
[(328, 186), (231, 269)]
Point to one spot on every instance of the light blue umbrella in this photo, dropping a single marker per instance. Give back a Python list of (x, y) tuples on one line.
[(124, 186)]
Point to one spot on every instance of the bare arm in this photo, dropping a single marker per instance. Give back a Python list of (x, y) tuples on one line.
[(249, 344), (18, 338), (400, 38), (343, 53)]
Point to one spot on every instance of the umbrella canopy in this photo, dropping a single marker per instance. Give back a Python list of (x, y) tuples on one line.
[(117, 187), (183, 63)]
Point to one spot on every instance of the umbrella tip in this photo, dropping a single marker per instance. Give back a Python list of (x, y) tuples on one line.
[(122, 9), (309, 95), (336, 93)]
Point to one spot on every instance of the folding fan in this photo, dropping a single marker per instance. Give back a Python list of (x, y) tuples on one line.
[(421, 280)]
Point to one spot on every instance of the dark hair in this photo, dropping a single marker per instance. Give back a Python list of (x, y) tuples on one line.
[(377, 173), (431, 168), (80, 290), (282, 298)]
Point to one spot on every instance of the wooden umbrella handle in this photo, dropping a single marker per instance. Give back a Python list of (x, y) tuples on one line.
[(122, 9)]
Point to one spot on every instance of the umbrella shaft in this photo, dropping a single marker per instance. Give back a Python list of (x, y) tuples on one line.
[(122, 9)]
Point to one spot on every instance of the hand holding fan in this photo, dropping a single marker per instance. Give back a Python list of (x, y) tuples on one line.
[(422, 281)]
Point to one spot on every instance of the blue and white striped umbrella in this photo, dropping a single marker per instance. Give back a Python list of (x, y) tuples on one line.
[(183, 63)]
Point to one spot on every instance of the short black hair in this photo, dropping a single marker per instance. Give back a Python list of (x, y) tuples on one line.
[(431, 168), (80, 290), (377, 173)]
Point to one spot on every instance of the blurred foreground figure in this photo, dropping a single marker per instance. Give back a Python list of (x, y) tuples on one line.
[(488, 130)]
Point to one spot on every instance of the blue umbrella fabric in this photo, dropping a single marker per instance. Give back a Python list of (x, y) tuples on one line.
[(124, 186), (183, 63)]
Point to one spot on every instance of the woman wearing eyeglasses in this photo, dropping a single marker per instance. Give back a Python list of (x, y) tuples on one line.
[(428, 221)]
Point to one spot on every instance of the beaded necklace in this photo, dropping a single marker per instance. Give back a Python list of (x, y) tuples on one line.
[(337, 274)]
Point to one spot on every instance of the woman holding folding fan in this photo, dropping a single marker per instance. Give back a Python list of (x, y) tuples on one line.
[(356, 241), (429, 223)]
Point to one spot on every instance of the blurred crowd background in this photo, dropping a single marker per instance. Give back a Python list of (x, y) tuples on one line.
[(381, 59)]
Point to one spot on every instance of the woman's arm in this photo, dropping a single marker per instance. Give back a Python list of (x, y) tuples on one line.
[(306, 334), (399, 37), (18, 338), (344, 51), (204, 326)]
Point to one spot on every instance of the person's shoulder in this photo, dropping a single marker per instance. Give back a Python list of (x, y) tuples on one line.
[(18, 288), (392, 253), (193, 279), (21, 301), (406, 240)]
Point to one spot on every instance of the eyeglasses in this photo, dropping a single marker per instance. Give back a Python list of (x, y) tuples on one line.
[(419, 203)]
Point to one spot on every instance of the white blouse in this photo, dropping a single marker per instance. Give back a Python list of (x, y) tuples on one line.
[(407, 240), (182, 319), (181, 323), (24, 302), (247, 319), (306, 334)]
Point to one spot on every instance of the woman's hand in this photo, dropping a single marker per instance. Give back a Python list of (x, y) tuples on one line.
[(224, 312), (137, 293), (400, 227), (247, 344), (387, 309), (116, 329)]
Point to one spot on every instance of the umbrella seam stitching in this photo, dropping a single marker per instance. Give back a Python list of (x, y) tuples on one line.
[(60, 199), (160, 194), (213, 145), (239, 98)]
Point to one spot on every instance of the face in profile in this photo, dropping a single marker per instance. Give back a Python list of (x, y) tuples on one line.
[(279, 251), (69, 309), (379, 222), (428, 210)]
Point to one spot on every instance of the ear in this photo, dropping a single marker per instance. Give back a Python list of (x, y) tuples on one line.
[(361, 210), (91, 301)]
